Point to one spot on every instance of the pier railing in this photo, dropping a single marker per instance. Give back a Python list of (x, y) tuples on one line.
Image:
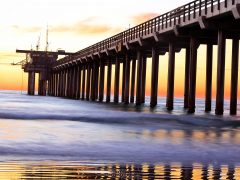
[(159, 24)]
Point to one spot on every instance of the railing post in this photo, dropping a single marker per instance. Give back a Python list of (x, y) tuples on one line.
[(200, 8)]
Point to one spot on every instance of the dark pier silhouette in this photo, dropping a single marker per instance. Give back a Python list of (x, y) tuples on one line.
[(209, 22)]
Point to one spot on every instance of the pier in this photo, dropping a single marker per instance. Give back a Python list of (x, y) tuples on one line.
[(81, 75)]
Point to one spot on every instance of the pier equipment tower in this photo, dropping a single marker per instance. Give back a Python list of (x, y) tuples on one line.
[(39, 62)]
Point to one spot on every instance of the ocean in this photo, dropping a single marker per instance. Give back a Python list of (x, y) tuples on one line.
[(57, 138)]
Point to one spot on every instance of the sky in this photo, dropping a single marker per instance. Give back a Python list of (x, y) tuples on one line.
[(76, 24)]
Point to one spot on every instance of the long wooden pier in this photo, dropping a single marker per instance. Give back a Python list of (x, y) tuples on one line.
[(210, 22)]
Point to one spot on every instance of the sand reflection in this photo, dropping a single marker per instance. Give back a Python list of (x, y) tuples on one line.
[(77, 170)]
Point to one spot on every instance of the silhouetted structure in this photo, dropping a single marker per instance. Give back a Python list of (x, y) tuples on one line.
[(39, 62), (208, 22)]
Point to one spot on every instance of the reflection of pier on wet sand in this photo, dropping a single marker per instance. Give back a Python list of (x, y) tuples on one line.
[(68, 170)]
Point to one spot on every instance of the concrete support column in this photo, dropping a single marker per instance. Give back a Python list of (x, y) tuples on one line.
[(109, 78), (53, 83), (101, 83), (186, 82), (127, 79), (68, 82), (31, 83), (220, 72), (78, 83), (49, 85), (193, 74), (70, 76), (144, 70), (139, 78), (133, 80), (234, 76), (96, 80), (93, 81), (88, 82), (154, 80), (73, 94), (64, 82), (83, 82), (116, 81), (60, 84), (208, 101), (123, 79), (171, 69), (42, 84), (73, 82)]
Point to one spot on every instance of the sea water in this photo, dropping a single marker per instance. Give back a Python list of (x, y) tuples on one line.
[(52, 137)]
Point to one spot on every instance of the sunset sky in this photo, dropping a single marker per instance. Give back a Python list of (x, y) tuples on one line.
[(75, 24)]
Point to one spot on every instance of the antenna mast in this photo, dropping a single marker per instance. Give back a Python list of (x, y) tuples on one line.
[(38, 43), (47, 39)]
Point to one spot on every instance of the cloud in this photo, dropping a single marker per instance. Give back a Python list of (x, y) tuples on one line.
[(140, 18), (8, 57), (89, 26), (26, 29)]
